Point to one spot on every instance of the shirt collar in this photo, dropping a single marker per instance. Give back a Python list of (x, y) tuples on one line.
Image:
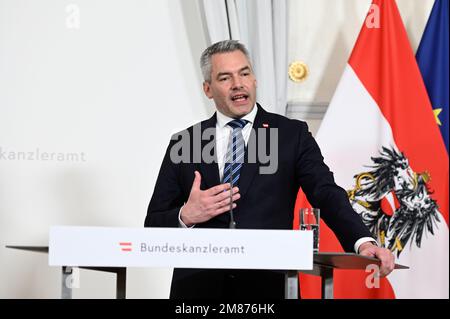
[(223, 120)]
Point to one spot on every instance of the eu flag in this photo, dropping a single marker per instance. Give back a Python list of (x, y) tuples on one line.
[(432, 57)]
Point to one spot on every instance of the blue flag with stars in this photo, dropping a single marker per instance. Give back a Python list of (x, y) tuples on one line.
[(432, 57)]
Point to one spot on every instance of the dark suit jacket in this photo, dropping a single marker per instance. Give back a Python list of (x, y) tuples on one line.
[(267, 201)]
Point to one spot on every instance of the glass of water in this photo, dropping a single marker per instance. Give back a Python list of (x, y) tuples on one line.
[(310, 220)]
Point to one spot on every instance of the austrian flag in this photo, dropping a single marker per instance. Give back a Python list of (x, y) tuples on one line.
[(380, 138)]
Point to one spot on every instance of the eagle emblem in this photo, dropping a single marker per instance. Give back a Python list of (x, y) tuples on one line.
[(394, 202)]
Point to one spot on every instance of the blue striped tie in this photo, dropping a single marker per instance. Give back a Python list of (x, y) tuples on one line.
[(235, 153)]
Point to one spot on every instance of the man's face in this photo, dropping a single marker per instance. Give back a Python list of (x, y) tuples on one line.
[(233, 84)]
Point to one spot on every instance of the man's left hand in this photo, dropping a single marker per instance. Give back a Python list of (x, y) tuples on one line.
[(384, 255)]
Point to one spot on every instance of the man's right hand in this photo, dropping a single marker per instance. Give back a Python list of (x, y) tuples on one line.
[(204, 205)]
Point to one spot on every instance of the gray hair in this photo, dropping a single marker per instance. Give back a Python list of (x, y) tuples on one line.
[(219, 47)]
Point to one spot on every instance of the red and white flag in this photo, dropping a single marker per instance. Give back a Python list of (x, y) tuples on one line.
[(380, 138)]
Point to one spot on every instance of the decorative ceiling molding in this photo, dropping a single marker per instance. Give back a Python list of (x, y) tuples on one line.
[(306, 110)]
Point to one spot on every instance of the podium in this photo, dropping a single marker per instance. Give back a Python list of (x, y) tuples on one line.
[(68, 271), (116, 249), (325, 264)]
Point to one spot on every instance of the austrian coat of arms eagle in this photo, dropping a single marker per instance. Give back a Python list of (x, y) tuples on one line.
[(394, 202)]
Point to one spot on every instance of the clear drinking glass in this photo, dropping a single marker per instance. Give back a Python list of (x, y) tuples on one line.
[(310, 220)]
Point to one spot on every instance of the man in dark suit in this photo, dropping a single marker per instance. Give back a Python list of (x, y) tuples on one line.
[(195, 191)]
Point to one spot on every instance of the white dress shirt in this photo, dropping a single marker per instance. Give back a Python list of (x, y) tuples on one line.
[(223, 132)]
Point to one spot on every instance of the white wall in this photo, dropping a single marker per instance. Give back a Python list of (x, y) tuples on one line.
[(105, 92), (112, 92)]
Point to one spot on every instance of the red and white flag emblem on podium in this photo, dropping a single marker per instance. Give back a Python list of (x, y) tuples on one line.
[(380, 138)]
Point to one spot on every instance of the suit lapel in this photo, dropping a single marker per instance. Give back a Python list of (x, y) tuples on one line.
[(209, 171), (249, 170)]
